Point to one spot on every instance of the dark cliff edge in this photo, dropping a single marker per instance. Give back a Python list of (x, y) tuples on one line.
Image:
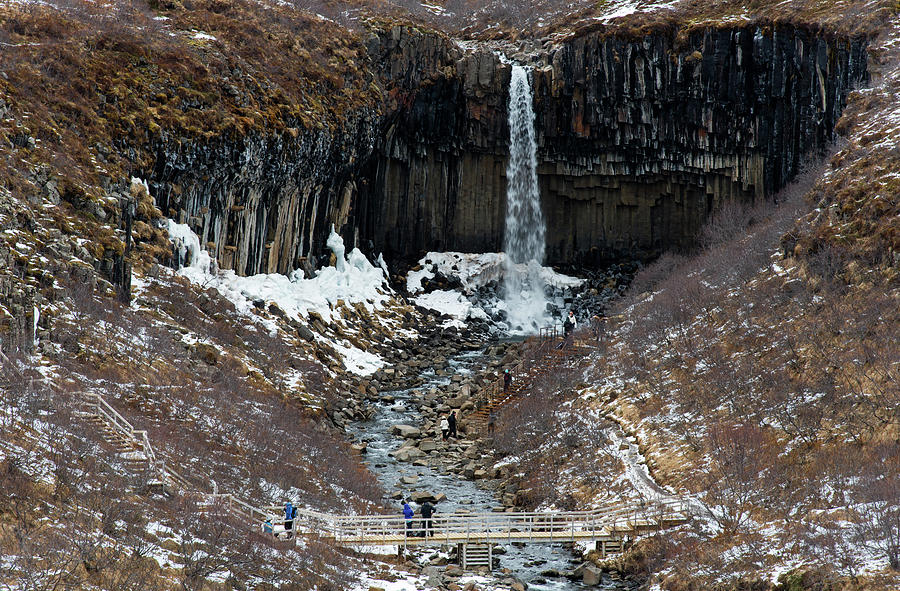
[(639, 139)]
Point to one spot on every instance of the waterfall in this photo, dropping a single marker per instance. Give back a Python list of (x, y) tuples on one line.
[(524, 237)]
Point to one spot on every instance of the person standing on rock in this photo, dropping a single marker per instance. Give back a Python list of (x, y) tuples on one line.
[(569, 327), (451, 421), (445, 428), (427, 511), (408, 515)]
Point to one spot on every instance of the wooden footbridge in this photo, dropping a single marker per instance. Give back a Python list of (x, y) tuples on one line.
[(475, 533), (611, 524)]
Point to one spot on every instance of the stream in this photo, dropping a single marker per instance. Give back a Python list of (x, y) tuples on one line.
[(526, 562)]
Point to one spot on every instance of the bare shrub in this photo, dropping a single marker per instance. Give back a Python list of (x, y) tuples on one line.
[(650, 276), (735, 481), (210, 541)]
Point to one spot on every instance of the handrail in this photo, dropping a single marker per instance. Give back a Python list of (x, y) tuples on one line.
[(604, 522), (139, 437)]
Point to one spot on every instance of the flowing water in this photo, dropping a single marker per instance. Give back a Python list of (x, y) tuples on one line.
[(524, 236), (525, 562)]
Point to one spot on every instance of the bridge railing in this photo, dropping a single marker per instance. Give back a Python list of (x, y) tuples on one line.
[(111, 416), (612, 521)]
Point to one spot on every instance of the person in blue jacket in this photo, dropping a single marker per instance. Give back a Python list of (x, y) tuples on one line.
[(408, 515), (288, 518)]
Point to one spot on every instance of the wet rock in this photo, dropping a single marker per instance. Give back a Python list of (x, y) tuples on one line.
[(453, 570), (405, 454), (406, 431), (552, 573), (422, 496), (591, 575)]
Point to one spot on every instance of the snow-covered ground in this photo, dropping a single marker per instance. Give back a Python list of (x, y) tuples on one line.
[(480, 296), (353, 280)]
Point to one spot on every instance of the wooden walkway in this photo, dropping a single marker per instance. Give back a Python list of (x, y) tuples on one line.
[(608, 524)]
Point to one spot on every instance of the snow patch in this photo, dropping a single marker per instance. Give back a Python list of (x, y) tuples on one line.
[(475, 272), (354, 280)]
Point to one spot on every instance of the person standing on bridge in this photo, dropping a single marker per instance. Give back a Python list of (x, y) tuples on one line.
[(408, 515), (289, 513), (507, 380), (451, 421), (427, 511)]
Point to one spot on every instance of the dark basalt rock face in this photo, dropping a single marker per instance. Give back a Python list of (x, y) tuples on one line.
[(263, 204), (438, 179), (639, 139)]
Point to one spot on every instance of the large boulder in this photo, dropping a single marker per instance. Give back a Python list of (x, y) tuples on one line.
[(591, 575), (453, 570), (422, 496), (406, 431), (407, 453)]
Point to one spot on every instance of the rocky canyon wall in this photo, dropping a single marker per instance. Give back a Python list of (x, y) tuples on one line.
[(263, 203), (639, 139), (643, 138)]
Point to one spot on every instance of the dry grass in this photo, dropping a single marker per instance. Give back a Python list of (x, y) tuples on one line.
[(264, 71)]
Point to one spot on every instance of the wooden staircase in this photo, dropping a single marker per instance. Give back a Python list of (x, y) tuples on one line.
[(476, 556), (131, 444), (126, 447), (552, 352)]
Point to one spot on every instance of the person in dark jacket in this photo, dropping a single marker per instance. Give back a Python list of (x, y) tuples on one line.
[(568, 329), (451, 422), (569, 324), (427, 511), (408, 515), (289, 512), (507, 380)]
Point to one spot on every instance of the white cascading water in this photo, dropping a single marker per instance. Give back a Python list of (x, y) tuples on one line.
[(523, 242)]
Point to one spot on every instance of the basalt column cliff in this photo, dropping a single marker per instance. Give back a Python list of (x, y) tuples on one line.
[(639, 139)]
